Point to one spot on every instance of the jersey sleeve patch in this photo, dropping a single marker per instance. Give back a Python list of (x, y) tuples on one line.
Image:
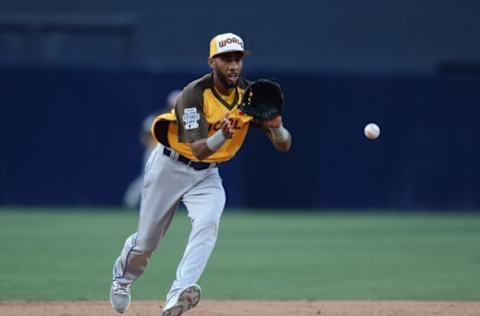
[(191, 117)]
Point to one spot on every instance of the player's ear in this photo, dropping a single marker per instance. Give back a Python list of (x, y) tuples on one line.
[(211, 62)]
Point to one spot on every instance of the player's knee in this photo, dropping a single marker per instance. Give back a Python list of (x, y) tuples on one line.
[(211, 223), (221, 200), (208, 225)]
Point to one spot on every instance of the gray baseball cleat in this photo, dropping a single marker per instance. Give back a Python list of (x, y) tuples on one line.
[(120, 297), (183, 300)]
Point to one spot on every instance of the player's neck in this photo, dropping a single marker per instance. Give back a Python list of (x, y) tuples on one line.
[(225, 91)]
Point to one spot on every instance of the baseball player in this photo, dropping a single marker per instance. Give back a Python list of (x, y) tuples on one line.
[(132, 195), (204, 130)]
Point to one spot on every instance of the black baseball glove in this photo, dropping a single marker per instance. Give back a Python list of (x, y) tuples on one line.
[(263, 100)]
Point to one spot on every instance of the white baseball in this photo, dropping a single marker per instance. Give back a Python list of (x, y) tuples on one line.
[(371, 131)]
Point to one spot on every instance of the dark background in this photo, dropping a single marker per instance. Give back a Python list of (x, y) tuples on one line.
[(78, 78)]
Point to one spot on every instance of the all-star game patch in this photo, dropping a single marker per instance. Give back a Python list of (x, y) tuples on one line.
[(191, 118)]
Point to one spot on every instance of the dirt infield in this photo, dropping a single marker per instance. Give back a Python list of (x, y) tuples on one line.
[(249, 308)]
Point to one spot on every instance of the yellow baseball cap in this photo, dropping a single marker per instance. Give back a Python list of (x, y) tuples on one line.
[(226, 43)]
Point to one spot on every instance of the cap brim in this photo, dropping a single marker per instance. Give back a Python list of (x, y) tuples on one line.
[(245, 52)]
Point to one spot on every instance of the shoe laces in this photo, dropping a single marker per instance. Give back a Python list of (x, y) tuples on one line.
[(121, 289)]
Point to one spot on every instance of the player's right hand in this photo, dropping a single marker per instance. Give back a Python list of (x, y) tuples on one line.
[(226, 127)]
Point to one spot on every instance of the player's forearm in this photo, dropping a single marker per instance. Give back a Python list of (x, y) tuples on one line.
[(205, 147), (200, 149), (283, 146), (281, 138)]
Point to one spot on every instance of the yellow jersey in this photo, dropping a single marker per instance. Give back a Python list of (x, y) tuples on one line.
[(197, 114)]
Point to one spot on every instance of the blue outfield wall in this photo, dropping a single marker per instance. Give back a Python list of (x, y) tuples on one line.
[(70, 137)]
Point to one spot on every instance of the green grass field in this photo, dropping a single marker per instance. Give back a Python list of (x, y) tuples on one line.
[(60, 255)]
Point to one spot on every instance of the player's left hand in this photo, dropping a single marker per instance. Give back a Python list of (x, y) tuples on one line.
[(276, 122)]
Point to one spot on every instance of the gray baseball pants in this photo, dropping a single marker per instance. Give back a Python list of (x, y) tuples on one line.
[(166, 183)]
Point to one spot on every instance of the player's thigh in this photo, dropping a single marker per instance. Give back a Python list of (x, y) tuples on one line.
[(205, 201)]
